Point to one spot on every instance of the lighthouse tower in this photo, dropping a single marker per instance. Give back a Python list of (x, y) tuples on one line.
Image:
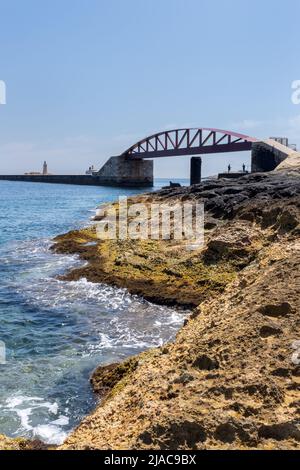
[(45, 169)]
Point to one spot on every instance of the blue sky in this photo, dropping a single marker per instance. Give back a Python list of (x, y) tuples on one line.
[(86, 79)]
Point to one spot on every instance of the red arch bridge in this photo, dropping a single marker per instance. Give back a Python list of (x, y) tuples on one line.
[(134, 167), (192, 141), (189, 141)]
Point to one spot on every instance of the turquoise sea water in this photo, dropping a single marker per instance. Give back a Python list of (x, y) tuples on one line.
[(56, 332)]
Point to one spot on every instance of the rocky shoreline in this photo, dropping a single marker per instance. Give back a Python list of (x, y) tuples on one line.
[(240, 220), (231, 378)]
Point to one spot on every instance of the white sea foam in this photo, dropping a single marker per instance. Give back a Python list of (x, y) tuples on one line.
[(26, 408), (68, 328), (50, 434)]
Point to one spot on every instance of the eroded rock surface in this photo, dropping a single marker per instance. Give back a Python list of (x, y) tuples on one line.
[(19, 443), (242, 217), (231, 378)]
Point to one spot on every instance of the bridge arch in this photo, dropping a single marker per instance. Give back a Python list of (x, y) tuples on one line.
[(189, 141)]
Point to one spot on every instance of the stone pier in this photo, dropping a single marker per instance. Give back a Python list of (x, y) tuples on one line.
[(121, 171), (117, 171), (268, 154)]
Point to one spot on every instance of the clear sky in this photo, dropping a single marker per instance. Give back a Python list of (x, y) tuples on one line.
[(86, 79)]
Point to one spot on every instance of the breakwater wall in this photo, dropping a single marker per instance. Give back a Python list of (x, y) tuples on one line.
[(86, 180)]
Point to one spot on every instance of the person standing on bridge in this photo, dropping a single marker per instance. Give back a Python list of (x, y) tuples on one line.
[(229, 168), (244, 168)]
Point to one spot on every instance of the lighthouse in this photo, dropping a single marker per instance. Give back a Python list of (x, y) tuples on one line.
[(45, 168)]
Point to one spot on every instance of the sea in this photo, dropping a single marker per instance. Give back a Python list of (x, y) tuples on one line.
[(54, 333)]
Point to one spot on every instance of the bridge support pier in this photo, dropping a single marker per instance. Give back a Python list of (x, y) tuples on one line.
[(195, 176), (267, 155), (121, 171)]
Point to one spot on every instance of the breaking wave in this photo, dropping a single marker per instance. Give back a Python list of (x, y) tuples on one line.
[(57, 332)]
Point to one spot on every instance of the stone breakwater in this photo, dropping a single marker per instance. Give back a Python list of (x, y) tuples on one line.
[(85, 180), (231, 377)]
